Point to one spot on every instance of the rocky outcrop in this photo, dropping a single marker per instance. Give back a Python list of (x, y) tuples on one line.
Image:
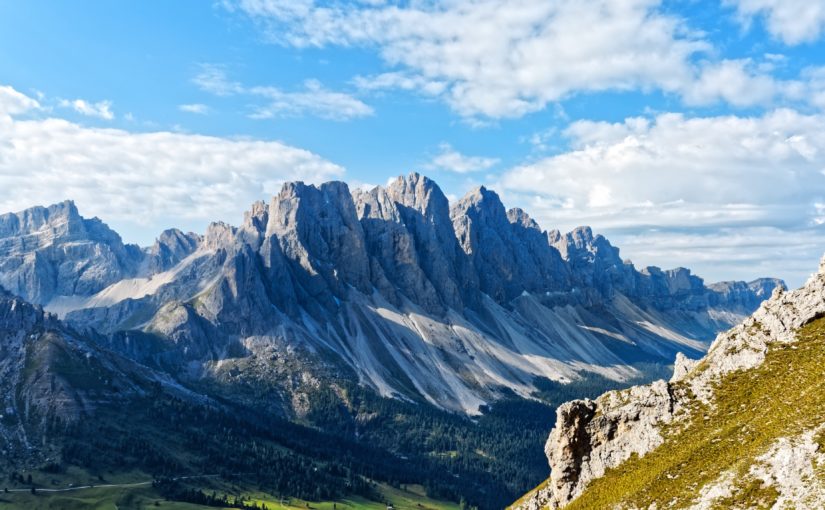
[(591, 437), (47, 374)]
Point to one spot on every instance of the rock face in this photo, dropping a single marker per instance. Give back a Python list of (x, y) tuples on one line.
[(171, 247), (745, 296), (508, 250), (392, 287), (592, 436), (52, 251)]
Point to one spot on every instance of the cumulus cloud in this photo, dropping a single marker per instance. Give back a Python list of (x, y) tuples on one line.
[(677, 175), (499, 58), (314, 99), (504, 59), (736, 82), (13, 102), (453, 161), (792, 21), (101, 109), (142, 183)]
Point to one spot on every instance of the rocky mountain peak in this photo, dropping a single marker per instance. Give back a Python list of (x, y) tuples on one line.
[(171, 247), (509, 250), (257, 217), (61, 220), (519, 216), (420, 194), (318, 229), (481, 201), (51, 251)]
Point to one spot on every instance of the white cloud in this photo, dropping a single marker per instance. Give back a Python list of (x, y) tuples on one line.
[(815, 80), (13, 102), (101, 109), (743, 253), (504, 58), (314, 99), (500, 58), (712, 167), (197, 108), (451, 160), (792, 21), (403, 81), (212, 78), (144, 182), (684, 177), (736, 82)]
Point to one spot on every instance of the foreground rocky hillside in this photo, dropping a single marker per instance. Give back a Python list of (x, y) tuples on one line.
[(393, 288), (744, 427)]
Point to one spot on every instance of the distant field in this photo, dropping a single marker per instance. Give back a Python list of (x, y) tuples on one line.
[(145, 497)]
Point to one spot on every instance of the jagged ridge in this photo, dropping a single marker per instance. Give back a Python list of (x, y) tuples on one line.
[(392, 287)]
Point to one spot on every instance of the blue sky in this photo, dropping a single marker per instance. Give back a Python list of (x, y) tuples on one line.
[(690, 133)]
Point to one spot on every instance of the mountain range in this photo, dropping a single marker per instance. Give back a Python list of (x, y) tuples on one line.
[(327, 307)]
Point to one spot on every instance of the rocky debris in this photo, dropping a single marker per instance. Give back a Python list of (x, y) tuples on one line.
[(592, 436), (790, 466), (744, 346), (788, 469)]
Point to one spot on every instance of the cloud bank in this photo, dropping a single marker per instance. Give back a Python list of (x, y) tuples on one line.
[(140, 183), (504, 59), (681, 188)]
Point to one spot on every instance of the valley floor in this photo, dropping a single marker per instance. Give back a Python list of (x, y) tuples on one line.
[(135, 491)]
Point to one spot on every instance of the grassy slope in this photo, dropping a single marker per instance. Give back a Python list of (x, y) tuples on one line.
[(782, 398), (105, 498)]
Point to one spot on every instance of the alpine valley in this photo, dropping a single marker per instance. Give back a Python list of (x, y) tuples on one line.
[(338, 345)]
